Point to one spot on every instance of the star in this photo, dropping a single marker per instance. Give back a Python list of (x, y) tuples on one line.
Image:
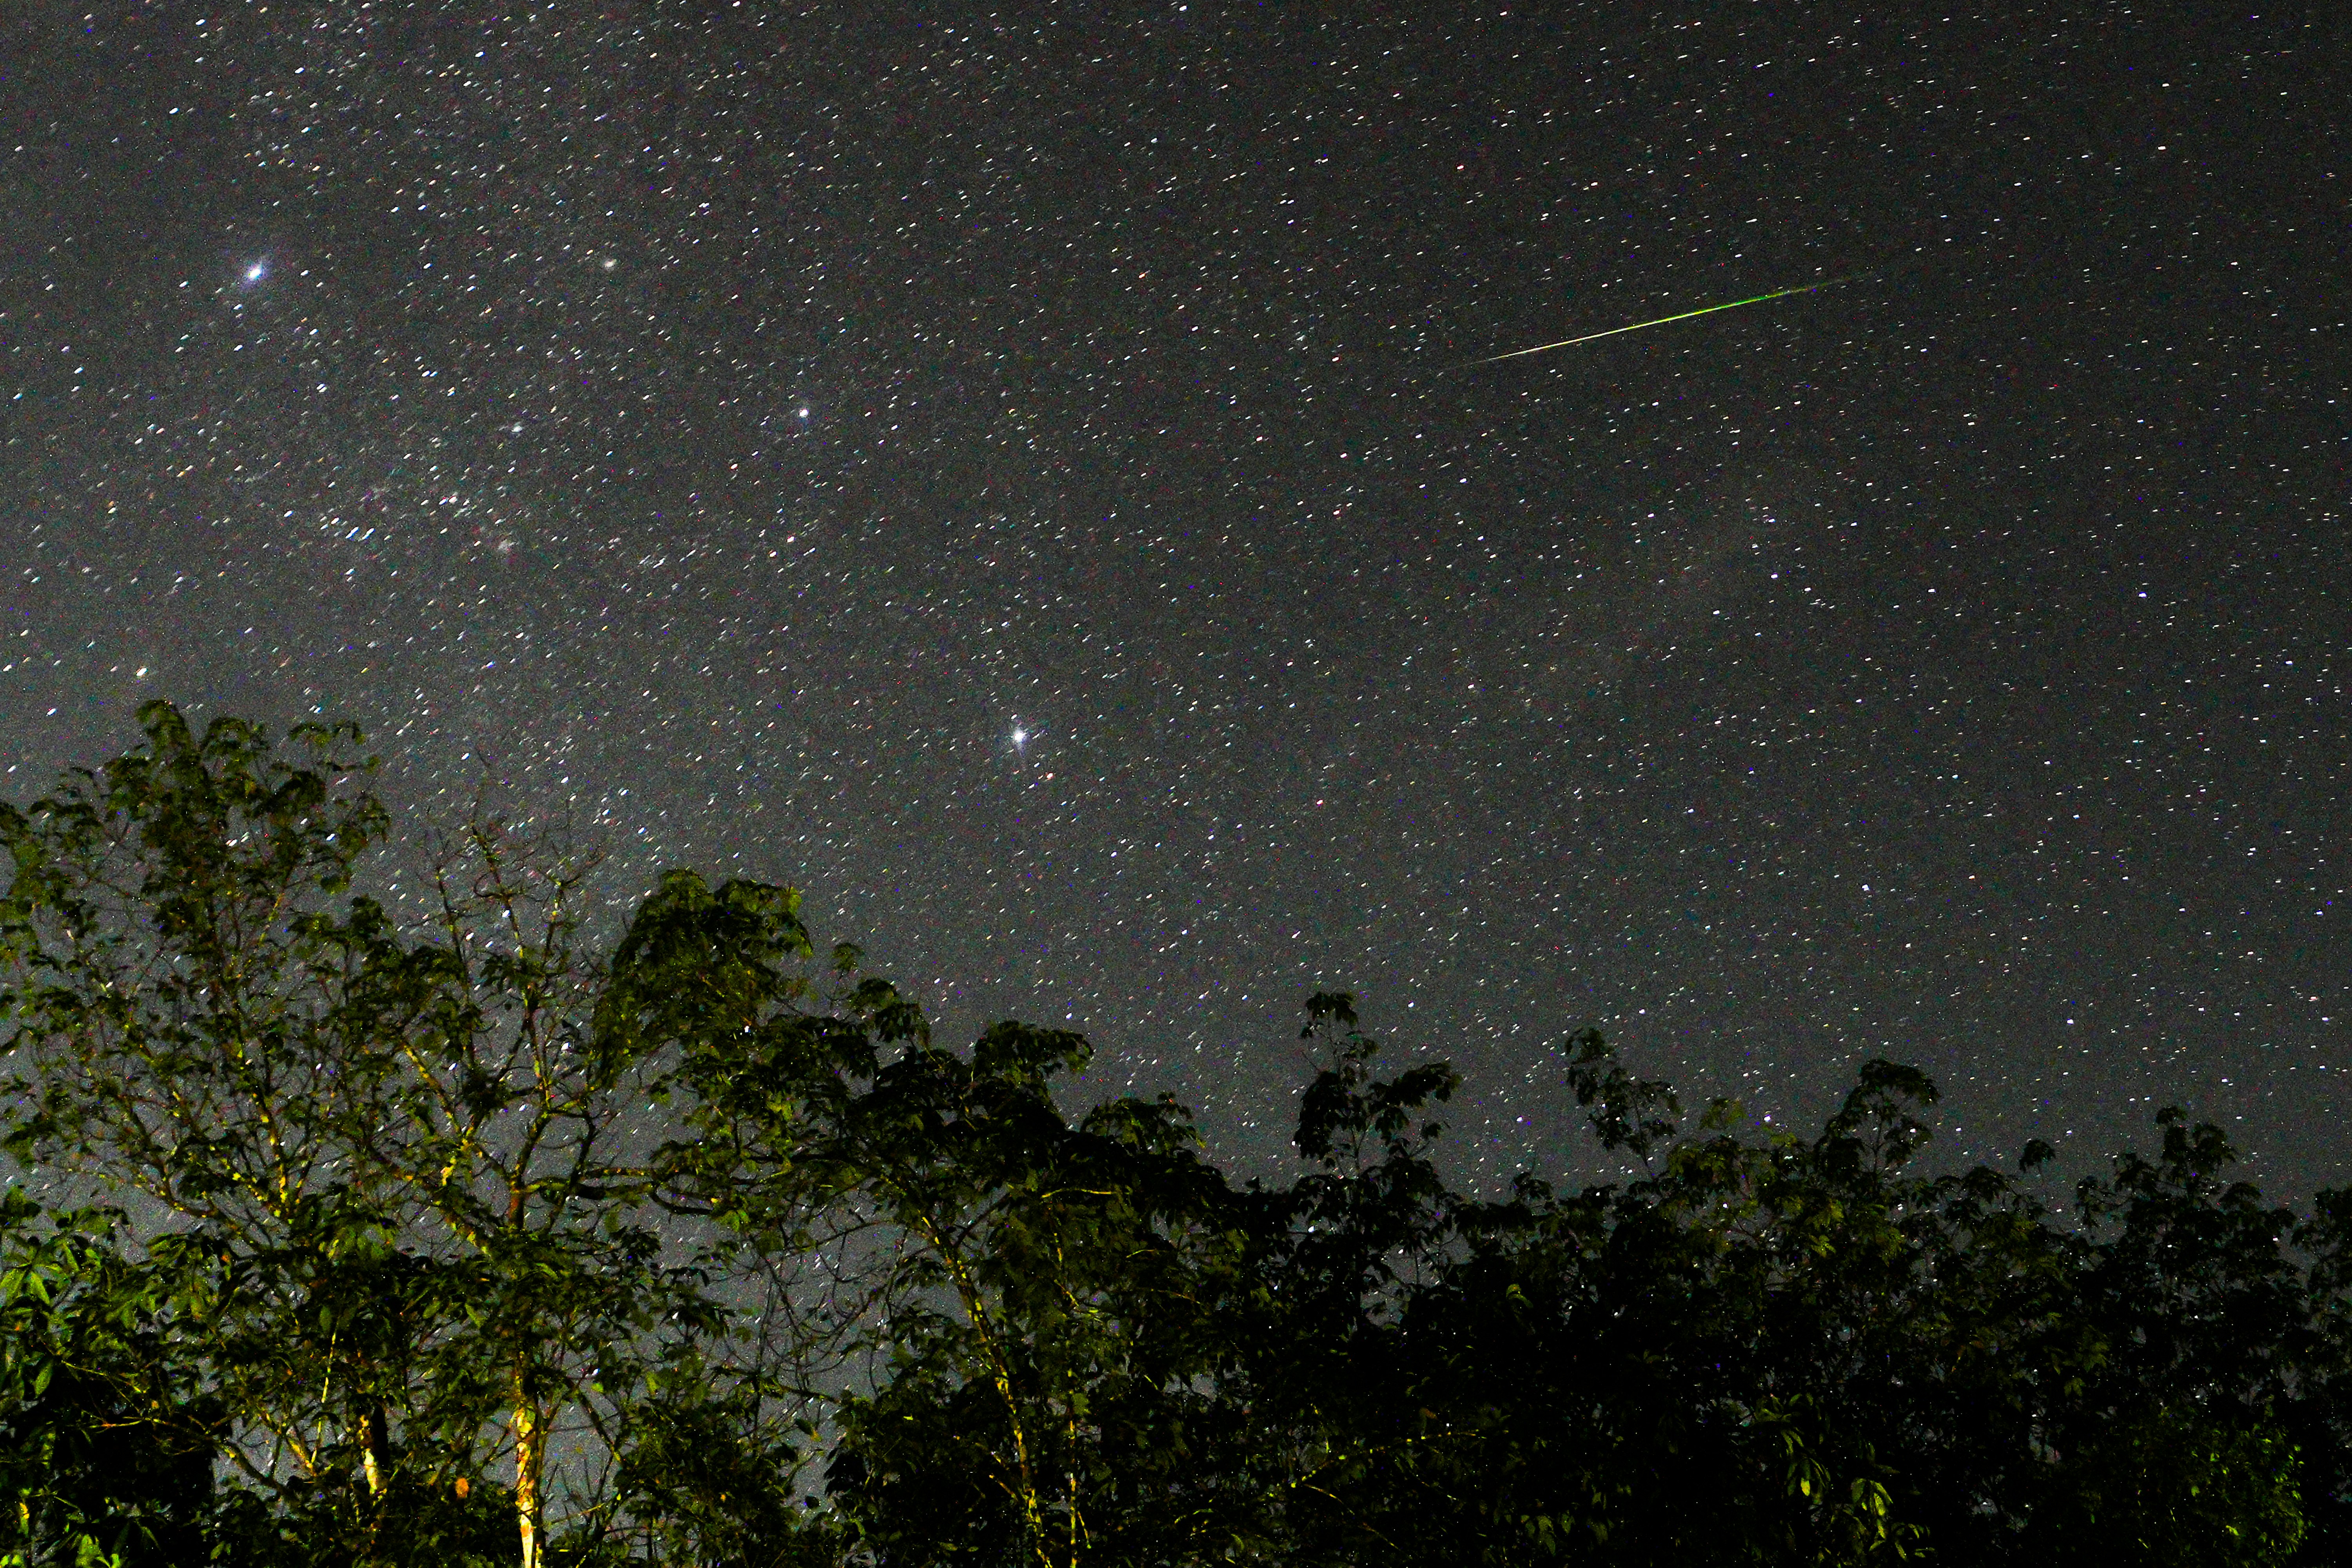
[(1624, 655)]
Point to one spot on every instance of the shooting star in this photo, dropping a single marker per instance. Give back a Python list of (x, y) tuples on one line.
[(1663, 320)]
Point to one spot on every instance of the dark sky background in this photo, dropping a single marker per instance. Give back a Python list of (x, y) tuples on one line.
[(1012, 472)]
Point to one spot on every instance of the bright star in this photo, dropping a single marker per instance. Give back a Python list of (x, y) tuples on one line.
[(1020, 739)]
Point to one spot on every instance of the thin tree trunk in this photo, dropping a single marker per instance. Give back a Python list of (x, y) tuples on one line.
[(530, 1460), (375, 1443), (375, 1460)]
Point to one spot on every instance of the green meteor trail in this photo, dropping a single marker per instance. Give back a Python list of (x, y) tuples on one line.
[(1662, 320)]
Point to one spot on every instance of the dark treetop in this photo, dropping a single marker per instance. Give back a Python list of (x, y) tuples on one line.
[(374, 1274)]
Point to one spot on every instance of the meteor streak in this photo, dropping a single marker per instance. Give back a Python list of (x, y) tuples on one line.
[(1662, 320)]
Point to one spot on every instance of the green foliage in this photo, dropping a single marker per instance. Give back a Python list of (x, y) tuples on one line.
[(472, 1242), (1044, 1322), (101, 1457), (2168, 1487), (710, 1477), (406, 1236)]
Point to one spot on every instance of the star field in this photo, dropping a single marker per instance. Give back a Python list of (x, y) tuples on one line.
[(1012, 473)]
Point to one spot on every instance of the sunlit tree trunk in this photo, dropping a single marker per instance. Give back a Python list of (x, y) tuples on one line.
[(530, 1460), (376, 1445)]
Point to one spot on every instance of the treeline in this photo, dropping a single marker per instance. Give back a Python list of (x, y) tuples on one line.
[(455, 1239)]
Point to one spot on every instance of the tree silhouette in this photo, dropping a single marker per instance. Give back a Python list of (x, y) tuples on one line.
[(788, 1282)]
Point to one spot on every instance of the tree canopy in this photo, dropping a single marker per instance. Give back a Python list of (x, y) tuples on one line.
[(445, 1233)]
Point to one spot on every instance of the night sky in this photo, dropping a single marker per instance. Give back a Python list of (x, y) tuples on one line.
[(1014, 473)]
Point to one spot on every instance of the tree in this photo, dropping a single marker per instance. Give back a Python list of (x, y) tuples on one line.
[(2175, 1453), (1018, 1304), (416, 1199), (2317, 1414), (393, 1169), (102, 1454), (1047, 1329), (1774, 1349), (1342, 1457)]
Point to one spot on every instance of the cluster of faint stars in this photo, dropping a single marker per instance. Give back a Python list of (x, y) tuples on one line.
[(998, 477)]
